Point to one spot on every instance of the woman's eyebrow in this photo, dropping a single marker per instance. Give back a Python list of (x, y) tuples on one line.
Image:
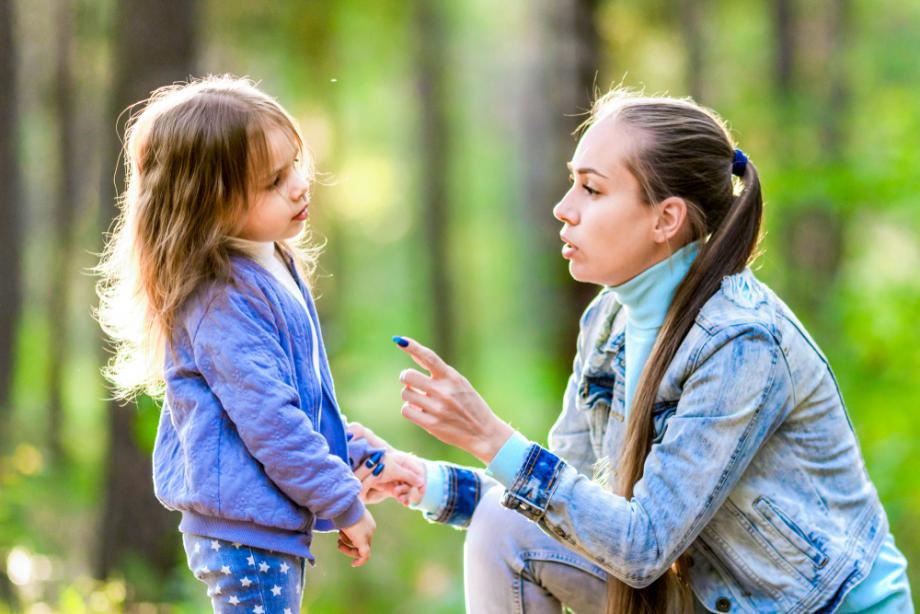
[(585, 171)]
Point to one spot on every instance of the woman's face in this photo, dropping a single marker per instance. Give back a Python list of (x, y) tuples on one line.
[(609, 233)]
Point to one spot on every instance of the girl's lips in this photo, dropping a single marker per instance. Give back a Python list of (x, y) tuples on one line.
[(568, 251), (302, 215)]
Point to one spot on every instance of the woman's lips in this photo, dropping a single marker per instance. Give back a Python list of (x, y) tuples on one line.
[(568, 250)]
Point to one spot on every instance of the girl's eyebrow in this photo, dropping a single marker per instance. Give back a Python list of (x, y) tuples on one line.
[(585, 171)]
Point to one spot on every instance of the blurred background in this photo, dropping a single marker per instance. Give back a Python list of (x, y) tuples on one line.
[(442, 129)]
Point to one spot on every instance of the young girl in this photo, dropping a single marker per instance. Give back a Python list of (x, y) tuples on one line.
[(738, 481), (202, 292)]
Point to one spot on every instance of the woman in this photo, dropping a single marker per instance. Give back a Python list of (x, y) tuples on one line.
[(734, 480)]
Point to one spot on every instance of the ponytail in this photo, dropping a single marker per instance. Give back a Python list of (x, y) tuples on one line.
[(689, 155)]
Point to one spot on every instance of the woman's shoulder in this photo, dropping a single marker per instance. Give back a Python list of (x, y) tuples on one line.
[(742, 303)]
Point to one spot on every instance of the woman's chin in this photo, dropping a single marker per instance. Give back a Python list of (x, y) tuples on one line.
[(577, 272)]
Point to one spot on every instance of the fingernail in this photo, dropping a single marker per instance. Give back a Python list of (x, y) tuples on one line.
[(378, 469), (401, 341), (376, 456), (349, 436), (368, 463)]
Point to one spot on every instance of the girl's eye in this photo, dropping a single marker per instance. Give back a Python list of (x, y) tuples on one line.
[(277, 181), (591, 191)]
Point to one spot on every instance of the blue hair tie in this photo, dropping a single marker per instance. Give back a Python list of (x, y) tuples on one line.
[(739, 164)]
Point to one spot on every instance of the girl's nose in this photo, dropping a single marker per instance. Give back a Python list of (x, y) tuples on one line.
[(300, 186)]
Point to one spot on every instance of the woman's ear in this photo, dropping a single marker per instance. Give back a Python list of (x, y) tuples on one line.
[(672, 215)]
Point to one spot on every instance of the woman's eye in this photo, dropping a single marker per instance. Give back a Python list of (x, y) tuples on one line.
[(591, 191)]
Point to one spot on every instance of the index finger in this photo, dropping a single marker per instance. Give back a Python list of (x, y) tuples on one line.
[(425, 357)]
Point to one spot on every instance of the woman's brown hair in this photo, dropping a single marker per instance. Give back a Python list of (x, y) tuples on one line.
[(682, 150), (194, 155)]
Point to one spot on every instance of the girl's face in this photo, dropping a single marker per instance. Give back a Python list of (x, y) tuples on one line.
[(610, 234), (281, 194)]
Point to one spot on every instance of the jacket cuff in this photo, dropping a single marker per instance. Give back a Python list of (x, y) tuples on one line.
[(455, 500), (534, 484), (350, 516)]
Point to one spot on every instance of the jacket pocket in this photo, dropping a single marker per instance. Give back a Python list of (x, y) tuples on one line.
[(661, 413), (789, 530), (595, 397), (596, 392)]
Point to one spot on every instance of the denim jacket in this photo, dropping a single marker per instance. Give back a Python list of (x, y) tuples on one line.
[(755, 470)]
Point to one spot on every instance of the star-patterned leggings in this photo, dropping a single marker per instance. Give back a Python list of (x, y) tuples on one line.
[(243, 579)]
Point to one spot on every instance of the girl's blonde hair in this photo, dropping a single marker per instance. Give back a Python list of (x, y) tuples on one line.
[(684, 150), (195, 154)]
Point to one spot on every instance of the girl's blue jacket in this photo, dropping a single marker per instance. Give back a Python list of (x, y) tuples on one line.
[(251, 448)]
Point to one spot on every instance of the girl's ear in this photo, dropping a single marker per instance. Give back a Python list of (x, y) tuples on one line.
[(672, 214)]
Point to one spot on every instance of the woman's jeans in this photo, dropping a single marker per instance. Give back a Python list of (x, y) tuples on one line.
[(511, 565), (244, 579)]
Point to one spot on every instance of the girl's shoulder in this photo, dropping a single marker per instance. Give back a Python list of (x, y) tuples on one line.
[(245, 295)]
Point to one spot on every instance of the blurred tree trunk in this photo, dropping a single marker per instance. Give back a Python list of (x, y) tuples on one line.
[(559, 88), (62, 223), (784, 58), (10, 207), (813, 232), (692, 17), (154, 45), (434, 137)]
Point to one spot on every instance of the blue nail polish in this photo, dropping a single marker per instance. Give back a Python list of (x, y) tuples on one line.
[(368, 463), (349, 436), (378, 469), (401, 342), (376, 456)]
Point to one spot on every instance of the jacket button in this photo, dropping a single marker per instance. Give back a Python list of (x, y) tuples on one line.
[(723, 604)]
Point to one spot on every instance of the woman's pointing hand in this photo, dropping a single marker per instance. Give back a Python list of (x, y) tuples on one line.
[(446, 405)]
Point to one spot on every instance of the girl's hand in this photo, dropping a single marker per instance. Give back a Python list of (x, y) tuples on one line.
[(397, 475), (446, 405), (355, 541)]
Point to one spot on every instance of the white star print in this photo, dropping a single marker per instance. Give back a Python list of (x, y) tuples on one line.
[(233, 600), (251, 560), (217, 590), (276, 590), (287, 610), (258, 610), (263, 567), (225, 570), (205, 569), (215, 545), (237, 545), (245, 581), (284, 567), (197, 547)]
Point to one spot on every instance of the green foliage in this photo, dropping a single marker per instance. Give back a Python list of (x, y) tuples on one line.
[(346, 70)]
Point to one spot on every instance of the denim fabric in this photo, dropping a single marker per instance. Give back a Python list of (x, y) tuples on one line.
[(243, 579), (250, 446), (459, 496), (755, 470), (520, 569)]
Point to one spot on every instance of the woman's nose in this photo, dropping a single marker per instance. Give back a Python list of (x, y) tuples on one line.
[(564, 212)]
